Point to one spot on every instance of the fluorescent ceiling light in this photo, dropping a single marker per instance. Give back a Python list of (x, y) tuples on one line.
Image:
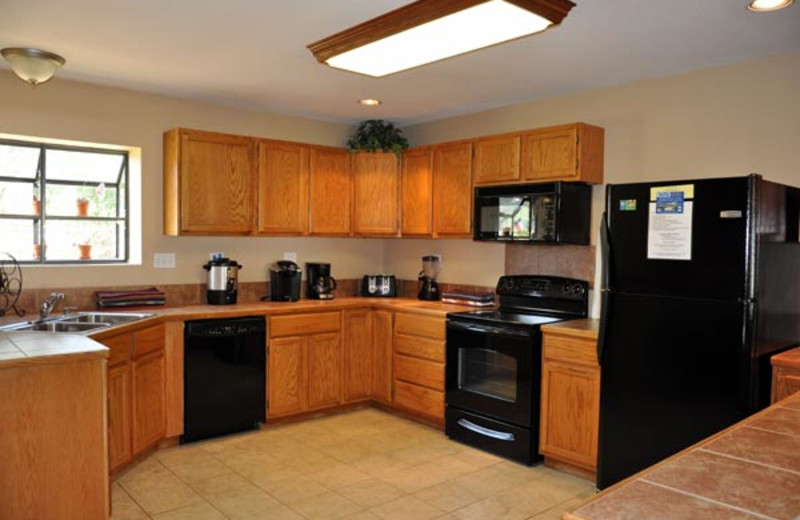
[(432, 30)]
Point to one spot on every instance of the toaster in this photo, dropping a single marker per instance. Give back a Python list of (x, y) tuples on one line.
[(379, 285)]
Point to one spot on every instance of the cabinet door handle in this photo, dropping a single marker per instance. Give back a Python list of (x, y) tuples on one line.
[(488, 432)]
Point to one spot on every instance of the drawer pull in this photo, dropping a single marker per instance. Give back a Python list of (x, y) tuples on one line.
[(487, 432)]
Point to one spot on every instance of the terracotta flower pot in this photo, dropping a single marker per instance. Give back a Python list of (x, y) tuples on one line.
[(83, 207), (86, 251), (37, 251), (37, 207)]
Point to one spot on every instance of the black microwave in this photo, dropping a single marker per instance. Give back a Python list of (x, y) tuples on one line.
[(544, 213)]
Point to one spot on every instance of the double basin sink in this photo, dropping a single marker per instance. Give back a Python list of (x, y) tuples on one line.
[(81, 322)]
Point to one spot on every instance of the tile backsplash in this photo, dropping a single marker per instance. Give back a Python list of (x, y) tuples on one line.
[(562, 260)]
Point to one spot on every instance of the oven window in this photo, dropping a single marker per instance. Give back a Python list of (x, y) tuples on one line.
[(487, 372)]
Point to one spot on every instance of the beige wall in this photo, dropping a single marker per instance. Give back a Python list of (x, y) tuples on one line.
[(80, 112), (717, 122)]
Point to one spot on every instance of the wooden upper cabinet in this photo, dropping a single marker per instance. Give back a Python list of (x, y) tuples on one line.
[(209, 183), (330, 191), (376, 186), (416, 201), (282, 188), (570, 152), (496, 159), (452, 189)]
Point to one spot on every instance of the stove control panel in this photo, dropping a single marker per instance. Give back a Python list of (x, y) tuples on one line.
[(551, 287)]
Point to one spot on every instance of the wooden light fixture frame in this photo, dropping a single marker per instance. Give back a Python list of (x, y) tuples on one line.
[(418, 13)]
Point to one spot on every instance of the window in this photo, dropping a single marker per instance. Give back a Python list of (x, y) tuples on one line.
[(63, 204)]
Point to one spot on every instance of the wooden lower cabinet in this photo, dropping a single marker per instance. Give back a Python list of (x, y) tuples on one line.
[(136, 393), (418, 364), (120, 429), (570, 401), (304, 363), (358, 355), (785, 374)]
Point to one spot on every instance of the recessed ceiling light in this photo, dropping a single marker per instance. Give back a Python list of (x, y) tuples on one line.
[(431, 30), (768, 5), (370, 102)]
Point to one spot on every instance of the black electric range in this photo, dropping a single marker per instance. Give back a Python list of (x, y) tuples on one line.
[(493, 363)]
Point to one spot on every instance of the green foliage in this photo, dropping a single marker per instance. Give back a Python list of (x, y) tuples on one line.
[(375, 135)]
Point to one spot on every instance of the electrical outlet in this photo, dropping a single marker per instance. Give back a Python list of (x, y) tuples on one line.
[(164, 260), (212, 255), (290, 255)]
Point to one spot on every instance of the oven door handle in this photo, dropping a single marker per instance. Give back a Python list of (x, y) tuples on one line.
[(486, 329), (487, 432)]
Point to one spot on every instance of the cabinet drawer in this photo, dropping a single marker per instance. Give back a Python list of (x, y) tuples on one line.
[(419, 325), (569, 349), (120, 348), (419, 371), (148, 340), (419, 347), (419, 399), (303, 324)]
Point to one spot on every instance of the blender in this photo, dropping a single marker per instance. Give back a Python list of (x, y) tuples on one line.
[(429, 290)]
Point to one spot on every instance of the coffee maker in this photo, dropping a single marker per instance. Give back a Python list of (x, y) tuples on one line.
[(223, 280), (284, 281), (429, 289), (319, 282)]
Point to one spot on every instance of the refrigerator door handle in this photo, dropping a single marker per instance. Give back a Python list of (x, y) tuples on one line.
[(605, 254)]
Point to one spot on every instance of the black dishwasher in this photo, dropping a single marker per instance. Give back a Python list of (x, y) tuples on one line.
[(224, 376)]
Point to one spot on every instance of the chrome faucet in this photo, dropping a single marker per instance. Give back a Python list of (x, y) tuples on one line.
[(49, 304)]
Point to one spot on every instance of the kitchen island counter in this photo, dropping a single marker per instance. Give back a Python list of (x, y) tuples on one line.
[(750, 470)]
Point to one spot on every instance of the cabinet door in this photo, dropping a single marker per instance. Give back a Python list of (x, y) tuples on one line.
[(358, 355), (286, 376), (375, 193), (496, 159), (120, 449), (452, 189), (217, 183), (550, 154), (330, 191), (149, 425), (282, 188), (382, 356), (324, 370), (570, 413), (417, 193)]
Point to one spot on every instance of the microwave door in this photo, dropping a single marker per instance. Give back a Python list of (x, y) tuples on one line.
[(506, 218)]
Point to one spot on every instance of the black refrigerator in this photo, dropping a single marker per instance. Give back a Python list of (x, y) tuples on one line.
[(701, 285)]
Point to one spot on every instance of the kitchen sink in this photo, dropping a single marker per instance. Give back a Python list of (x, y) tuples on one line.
[(62, 326), (106, 318), (82, 322)]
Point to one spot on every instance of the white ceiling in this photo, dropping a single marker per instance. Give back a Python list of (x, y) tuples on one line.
[(252, 53)]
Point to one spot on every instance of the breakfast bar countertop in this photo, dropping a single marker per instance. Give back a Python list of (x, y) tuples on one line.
[(748, 471)]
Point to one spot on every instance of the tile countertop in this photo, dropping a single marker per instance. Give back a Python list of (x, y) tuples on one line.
[(587, 328), (748, 471), (29, 348)]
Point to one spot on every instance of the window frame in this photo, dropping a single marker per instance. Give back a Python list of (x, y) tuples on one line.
[(39, 222)]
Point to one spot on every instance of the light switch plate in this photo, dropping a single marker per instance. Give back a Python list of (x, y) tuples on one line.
[(164, 260), (290, 255)]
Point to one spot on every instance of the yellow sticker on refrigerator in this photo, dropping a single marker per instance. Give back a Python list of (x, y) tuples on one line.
[(669, 230)]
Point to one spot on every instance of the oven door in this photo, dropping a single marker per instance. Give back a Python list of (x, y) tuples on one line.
[(494, 371)]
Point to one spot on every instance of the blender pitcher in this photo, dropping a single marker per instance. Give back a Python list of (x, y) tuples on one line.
[(429, 289)]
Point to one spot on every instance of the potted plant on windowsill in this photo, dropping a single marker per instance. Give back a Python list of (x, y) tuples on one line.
[(84, 250), (84, 198), (37, 204), (377, 135)]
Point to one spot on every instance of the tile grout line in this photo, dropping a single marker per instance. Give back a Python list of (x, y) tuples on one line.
[(193, 491), (749, 461), (707, 499), (793, 435)]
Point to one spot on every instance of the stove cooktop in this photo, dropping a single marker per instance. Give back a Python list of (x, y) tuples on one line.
[(505, 318)]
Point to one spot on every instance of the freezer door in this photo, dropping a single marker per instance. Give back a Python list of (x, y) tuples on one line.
[(719, 240), (674, 371)]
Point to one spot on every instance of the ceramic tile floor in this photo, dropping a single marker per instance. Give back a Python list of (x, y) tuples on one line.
[(360, 465)]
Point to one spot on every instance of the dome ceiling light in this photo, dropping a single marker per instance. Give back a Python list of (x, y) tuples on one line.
[(33, 66)]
